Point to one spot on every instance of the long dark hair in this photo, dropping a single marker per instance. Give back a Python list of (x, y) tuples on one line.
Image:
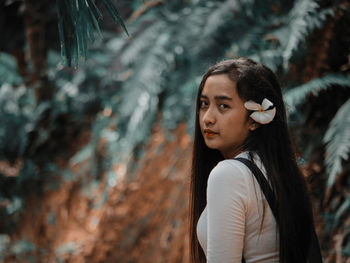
[(272, 142)]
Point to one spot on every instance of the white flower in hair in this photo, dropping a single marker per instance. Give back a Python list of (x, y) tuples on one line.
[(261, 114)]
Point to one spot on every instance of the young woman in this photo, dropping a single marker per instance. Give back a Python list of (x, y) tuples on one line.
[(240, 113)]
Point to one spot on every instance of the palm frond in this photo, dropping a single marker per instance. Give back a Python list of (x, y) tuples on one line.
[(343, 208), (304, 18), (113, 11), (269, 57), (297, 95), (78, 20), (337, 139)]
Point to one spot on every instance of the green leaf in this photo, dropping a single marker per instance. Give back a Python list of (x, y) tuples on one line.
[(77, 21), (305, 17), (298, 95), (113, 11), (337, 139), (344, 207)]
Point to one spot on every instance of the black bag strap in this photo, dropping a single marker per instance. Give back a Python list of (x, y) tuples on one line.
[(314, 254)]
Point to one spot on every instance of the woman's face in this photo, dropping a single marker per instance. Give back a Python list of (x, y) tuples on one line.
[(222, 116)]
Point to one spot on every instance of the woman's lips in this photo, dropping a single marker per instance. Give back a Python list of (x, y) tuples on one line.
[(209, 133)]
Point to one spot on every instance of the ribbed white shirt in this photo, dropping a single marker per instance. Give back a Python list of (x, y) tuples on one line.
[(230, 224)]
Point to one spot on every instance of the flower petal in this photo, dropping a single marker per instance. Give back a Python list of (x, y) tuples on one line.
[(266, 104), (264, 117), (251, 105)]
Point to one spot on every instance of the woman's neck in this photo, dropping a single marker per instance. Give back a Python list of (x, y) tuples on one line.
[(232, 154)]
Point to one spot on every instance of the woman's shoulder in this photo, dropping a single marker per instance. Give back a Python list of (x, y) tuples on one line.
[(229, 170), (230, 180)]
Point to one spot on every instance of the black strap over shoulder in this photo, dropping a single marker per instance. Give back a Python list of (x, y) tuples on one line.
[(314, 255)]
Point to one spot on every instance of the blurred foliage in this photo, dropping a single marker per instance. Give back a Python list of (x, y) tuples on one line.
[(8, 70), (127, 85)]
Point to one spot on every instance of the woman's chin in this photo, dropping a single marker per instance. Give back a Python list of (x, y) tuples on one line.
[(211, 145)]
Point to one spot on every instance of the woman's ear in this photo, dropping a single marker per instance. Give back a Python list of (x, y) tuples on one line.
[(253, 125)]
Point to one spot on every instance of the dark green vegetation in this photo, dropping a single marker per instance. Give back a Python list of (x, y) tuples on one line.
[(127, 83)]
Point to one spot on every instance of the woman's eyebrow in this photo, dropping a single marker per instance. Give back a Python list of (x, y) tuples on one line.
[(217, 97), (222, 97)]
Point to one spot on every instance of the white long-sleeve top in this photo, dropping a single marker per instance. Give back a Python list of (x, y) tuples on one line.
[(230, 224)]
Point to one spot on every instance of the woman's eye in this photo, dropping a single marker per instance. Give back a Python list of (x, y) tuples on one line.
[(203, 104), (223, 106)]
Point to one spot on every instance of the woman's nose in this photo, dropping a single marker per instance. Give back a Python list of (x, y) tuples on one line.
[(209, 117)]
